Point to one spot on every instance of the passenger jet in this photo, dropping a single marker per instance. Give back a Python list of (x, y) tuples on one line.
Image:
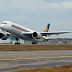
[(18, 31)]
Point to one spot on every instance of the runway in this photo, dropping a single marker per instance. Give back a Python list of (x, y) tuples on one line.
[(17, 60)]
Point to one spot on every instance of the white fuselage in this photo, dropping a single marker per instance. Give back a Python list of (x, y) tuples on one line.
[(16, 29)]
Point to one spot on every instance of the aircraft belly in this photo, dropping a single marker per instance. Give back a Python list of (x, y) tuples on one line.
[(24, 37)]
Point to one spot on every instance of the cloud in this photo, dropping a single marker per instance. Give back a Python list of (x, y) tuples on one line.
[(67, 5), (34, 4), (53, 5)]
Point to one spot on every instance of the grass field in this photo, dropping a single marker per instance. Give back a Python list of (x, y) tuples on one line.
[(34, 47), (59, 69)]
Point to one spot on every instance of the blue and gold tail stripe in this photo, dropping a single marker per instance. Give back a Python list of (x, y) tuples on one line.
[(19, 28), (47, 28)]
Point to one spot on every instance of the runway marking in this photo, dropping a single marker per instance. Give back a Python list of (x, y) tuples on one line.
[(35, 58)]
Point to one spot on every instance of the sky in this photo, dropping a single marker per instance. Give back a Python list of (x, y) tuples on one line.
[(36, 14)]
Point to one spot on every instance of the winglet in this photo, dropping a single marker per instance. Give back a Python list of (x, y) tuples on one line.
[(47, 28)]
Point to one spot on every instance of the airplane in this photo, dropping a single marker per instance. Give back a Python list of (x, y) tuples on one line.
[(18, 31)]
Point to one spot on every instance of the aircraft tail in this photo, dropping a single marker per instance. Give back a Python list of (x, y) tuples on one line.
[(47, 28)]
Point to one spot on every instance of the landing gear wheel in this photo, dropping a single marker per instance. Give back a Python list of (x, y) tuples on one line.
[(17, 43), (34, 42)]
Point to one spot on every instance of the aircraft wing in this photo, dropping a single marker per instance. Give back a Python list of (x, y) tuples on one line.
[(29, 34), (54, 33)]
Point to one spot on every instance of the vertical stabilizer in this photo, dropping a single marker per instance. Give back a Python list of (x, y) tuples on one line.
[(47, 28)]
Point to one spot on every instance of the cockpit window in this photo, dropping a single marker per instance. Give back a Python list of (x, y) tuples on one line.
[(4, 23)]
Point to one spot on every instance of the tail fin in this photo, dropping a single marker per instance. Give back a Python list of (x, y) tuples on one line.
[(47, 28)]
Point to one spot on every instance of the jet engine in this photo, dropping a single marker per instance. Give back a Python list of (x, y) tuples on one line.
[(36, 35), (3, 36)]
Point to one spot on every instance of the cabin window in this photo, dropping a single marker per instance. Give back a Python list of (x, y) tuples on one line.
[(4, 23)]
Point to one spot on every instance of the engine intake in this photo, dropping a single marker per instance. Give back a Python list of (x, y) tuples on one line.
[(3, 36), (34, 34), (37, 35)]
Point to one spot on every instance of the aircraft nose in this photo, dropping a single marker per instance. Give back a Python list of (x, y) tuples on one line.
[(0, 26)]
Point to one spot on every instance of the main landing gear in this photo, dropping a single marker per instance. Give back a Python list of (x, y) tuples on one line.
[(34, 42), (17, 43)]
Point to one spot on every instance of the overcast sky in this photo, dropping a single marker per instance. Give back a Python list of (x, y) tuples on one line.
[(36, 14)]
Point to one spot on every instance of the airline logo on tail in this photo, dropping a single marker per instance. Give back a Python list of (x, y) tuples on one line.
[(47, 28)]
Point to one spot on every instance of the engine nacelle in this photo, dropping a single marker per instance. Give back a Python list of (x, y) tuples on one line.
[(3, 36), (36, 35)]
